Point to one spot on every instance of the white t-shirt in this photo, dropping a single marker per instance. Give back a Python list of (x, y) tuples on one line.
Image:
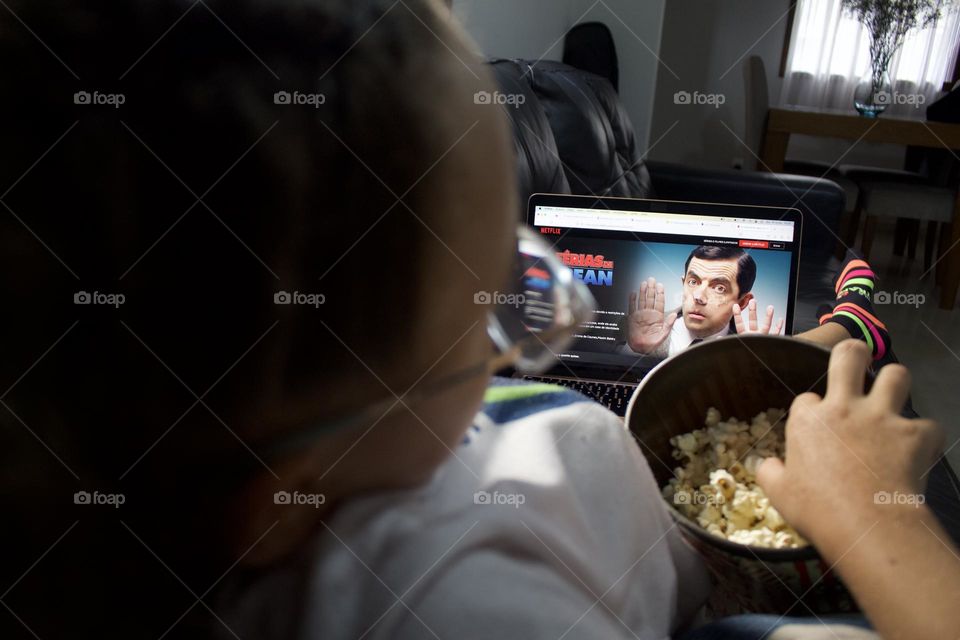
[(547, 523)]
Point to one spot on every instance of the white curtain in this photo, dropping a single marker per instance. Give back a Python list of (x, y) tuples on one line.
[(829, 56)]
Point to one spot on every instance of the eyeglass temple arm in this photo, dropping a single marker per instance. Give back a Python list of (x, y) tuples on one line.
[(302, 438)]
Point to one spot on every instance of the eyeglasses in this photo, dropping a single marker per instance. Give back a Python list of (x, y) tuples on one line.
[(528, 326)]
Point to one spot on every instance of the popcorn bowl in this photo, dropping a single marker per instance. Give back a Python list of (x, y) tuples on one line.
[(741, 376)]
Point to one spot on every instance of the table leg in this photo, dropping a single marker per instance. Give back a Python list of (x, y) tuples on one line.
[(951, 262), (943, 243), (849, 225), (869, 231), (912, 228), (929, 242), (773, 151), (899, 237)]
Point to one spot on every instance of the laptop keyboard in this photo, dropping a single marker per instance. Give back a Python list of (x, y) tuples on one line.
[(613, 396)]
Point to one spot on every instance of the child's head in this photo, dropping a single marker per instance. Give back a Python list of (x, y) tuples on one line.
[(199, 199)]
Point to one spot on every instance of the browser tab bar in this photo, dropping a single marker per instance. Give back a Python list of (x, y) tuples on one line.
[(747, 229)]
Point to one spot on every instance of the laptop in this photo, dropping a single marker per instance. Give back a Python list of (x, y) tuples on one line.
[(705, 256)]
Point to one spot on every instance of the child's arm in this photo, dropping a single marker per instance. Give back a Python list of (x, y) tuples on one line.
[(853, 482)]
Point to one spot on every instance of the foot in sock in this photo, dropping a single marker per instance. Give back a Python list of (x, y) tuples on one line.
[(854, 307), (856, 276)]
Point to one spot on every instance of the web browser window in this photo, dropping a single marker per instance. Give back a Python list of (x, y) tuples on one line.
[(664, 281)]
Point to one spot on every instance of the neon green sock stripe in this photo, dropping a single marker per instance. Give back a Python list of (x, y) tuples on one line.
[(864, 292), (868, 336), (517, 392), (867, 282)]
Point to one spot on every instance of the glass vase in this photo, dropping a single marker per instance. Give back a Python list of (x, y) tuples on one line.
[(873, 95)]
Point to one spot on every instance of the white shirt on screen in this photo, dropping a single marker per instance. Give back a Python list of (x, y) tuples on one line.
[(681, 338)]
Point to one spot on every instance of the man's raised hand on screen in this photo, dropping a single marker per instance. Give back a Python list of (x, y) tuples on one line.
[(751, 325), (647, 324)]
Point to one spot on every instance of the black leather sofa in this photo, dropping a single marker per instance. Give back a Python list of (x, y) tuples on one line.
[(573, 135)]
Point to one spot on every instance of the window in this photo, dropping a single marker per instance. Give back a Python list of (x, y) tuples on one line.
[(828, 56)]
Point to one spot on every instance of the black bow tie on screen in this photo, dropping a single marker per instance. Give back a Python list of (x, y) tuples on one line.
[(696, 341)]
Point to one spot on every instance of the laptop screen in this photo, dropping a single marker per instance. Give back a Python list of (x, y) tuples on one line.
[(666, 275)]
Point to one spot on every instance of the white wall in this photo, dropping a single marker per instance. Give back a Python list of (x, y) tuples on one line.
[(518, 28), (534, 29), (705, 43)]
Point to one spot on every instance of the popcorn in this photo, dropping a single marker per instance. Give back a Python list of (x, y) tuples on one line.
[(709, 516), (716, 484), (724, 482), (762, 537), (687, 443), (773, 520), (741, 512)]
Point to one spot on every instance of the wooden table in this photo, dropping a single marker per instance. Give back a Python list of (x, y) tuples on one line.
[(782, 122)]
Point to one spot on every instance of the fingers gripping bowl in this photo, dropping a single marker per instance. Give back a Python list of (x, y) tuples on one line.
[(740, 376)]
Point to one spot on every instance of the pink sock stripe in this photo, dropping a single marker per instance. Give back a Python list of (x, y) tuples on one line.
[(860, 273), (861, 311), (877, 340)]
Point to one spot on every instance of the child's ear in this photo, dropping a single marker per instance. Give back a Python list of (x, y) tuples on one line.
[(272, 517)]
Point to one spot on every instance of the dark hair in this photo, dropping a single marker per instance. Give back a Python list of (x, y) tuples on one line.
[(746, 267), (198, 199)]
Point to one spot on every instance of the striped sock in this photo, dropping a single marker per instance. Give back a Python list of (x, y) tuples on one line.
[(854, 312), (856, 276)]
